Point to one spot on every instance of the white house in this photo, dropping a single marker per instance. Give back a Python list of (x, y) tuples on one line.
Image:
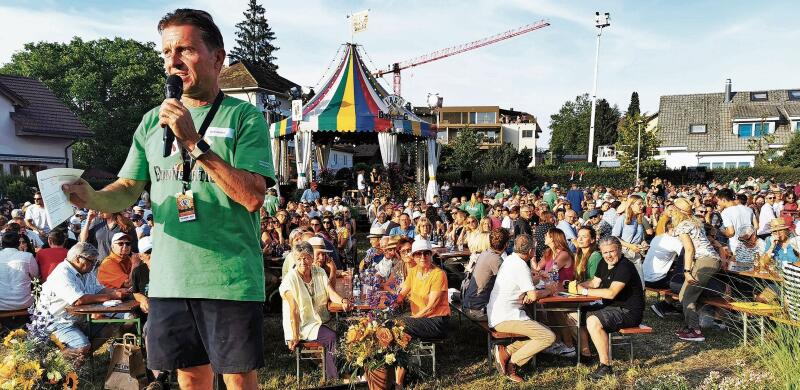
[(36, 129), (717, 130)]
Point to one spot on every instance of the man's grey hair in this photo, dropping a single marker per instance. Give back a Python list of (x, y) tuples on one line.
[(82, 249), (610, 240), (304, 248), (523, 244)]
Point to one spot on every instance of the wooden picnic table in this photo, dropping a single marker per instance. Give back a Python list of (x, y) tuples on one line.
[(565, 303), (771, 276)]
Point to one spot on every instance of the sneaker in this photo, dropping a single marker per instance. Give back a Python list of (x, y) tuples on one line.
[(656, 308), (692, 335), (566, 351), (555, 348), (601, 372), (502, 358)]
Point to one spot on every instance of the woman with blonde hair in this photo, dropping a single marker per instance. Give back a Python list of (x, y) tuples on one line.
[(701, 262), (478, 239), (423, 229)]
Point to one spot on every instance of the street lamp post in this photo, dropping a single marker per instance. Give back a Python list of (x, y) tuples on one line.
[(435, 104), (600, 22), (638, 150)]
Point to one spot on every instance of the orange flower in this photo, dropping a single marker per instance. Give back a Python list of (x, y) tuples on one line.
[(404, 340), (384, 336)]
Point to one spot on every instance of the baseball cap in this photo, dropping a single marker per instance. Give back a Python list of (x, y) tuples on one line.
[(136, 217), (593, 213), (120, 236), (74, 221), (17, 213), (145, 244)]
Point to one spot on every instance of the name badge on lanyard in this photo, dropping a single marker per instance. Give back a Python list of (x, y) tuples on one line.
[(185, 201)]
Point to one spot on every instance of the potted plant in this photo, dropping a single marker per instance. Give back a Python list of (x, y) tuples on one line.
[(374, 346), (35, 359)]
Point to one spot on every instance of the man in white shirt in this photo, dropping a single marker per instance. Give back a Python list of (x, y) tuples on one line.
[(361, 185), (735, 218), (17, 269), (567, 226), (72, 282), (659, 267), (766, 215), (514, 288), (36, 216)]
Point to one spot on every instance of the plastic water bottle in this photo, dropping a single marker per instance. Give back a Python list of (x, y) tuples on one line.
[(554, 274), (356, 289)]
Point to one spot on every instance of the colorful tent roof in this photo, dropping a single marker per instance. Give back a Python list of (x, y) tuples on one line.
[(352, 101)]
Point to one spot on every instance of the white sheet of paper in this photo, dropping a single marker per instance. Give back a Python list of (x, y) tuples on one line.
[(58, 207)]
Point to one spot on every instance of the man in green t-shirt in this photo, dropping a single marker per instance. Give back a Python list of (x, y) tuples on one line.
[(551, 196), (207, 280)]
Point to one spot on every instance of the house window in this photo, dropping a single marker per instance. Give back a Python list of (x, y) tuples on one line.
[(485, 118), (527, 133), (697, 129), (794, 94), (796, 126), (759, 96), (753, 130), (451, 117), (335, 159), (705, 165), (729, 165), (717, 165), (744, 164), (26, 170)]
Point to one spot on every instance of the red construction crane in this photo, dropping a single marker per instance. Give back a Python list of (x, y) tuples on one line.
[(451, 51)]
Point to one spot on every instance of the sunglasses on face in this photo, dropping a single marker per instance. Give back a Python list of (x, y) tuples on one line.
[(422, 253), (124, 243)]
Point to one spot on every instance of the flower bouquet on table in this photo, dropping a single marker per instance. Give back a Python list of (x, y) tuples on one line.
[(35, 359), (374, 345)]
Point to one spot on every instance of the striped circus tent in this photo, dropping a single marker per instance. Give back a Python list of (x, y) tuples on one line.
[(352, 101), (350, 108)]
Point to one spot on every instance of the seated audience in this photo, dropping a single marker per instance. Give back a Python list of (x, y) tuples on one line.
[(72, 282), (475, 296), (306, 292), (17, 270), (513, 288), (115, 269), (617, 283), (48, 258)]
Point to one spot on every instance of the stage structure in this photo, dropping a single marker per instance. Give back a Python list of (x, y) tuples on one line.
[(353, 108)]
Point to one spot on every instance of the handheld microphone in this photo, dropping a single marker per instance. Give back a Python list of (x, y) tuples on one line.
[(173, 89)]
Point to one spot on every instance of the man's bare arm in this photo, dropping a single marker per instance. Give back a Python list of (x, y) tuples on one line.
[(113, 198), (244, 187)]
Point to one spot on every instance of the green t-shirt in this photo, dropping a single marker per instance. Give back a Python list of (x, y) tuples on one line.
[(550, 197), (218, 255), (270, 205), (591, 266), (476, 210)]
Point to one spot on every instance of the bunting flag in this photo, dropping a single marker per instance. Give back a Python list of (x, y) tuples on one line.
[(352, 100)]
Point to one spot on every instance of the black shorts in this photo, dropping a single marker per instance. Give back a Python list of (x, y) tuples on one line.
[(183, 333), (431, 328), (614, 318)]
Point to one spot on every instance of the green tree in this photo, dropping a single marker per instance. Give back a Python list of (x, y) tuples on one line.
[(108, 84), (628, 140), (570, 130), (462, 152), (503, 157), (791, 153), (606, 121), (633, 107), (254, 39)]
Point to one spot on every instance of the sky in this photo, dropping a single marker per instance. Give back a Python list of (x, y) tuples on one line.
[(653, 47)]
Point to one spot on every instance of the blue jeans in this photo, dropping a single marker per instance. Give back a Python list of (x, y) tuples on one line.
[(74, 335)]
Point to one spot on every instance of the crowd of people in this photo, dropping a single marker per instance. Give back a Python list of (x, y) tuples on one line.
[(598, 241)]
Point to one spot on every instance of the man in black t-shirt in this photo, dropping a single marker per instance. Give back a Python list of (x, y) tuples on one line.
[(140, 277), (618, 283)]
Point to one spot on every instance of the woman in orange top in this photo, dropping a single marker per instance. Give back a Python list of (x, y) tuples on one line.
[(426, 290)]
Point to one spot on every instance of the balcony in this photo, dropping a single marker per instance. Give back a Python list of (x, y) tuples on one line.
[(607, 156)]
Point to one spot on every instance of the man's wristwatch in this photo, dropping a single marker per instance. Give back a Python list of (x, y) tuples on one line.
[(200, 148)]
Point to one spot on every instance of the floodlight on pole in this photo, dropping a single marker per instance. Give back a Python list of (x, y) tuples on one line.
[(638, 150), (601, 21)]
